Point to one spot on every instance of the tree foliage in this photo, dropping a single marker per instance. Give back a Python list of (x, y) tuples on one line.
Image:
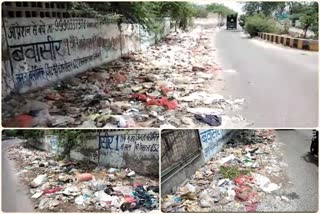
[(200, 11), (266, 8), (10, 132), (180, 12), (71, 138), (31, 135), (68, 139), (220, 9), (307, 14), (144, 13)]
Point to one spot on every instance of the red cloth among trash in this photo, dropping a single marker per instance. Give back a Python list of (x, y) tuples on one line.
[(129, 199), (165, 90), (22, 120), (141, 97), (84, 177), (245, 193), (50, 191), (151, 100), (120, 78), (136, 184), (243, 179), (173, 104), (251, 207)]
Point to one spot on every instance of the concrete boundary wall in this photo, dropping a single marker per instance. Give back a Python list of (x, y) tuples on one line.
[(212, 141), (37, 52), (303, 44), (134, 149)]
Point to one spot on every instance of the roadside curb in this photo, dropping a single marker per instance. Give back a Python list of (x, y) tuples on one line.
[(303, 44)]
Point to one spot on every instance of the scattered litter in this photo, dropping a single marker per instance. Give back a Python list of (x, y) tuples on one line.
[(211, 120), (131, 174), (236, 179), (264, 183), (69, 185), (84, 177), (205, 199), (37, 195), (40, 179), (226, 159), (178, 83)]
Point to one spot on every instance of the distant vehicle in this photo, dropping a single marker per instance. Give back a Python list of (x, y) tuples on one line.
[(232, 21)]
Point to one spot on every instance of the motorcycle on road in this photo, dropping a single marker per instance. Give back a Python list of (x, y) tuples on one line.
[(314, 143)]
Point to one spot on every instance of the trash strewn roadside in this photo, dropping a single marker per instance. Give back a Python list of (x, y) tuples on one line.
[(168, 85), (70, 186), (245, 176)]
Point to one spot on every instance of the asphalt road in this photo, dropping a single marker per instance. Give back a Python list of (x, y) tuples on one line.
[(302, 169), (14, 193), (279, 85)]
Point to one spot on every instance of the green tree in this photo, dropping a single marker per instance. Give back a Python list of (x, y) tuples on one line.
[(220, 9), (10, 132), (180, 12), (272, 8), (71, 138), (144, 13), (251, 8), (307, 14), (200, 11), (266, 8), (306, 22), (33, 135)]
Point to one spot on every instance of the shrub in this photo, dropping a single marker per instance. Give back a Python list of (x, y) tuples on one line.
[(10, 132), (259, 23), (242, 20)]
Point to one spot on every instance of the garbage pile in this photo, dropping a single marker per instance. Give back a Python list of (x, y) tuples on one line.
[(171, 84), (246, 176), (72, 186)]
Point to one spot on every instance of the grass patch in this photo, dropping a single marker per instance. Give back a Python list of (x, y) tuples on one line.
[(232, 172)]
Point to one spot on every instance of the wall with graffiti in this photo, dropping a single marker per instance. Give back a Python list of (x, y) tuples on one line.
[(212, 141), (39, 51), (134, 149)]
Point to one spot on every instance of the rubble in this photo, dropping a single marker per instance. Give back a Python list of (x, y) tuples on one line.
[(240, 178), (164, 86), (69, 186)]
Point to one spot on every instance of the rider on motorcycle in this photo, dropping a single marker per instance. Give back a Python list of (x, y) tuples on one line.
[(315, 143)]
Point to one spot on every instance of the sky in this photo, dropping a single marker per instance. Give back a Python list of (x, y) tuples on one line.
[(236, 6)]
